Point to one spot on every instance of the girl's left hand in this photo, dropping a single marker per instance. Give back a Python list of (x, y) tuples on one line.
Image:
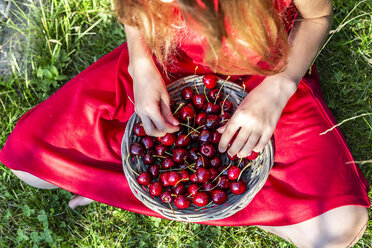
[(256, 117)]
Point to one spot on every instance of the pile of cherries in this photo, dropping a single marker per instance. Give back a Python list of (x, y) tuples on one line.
[(186, 167)]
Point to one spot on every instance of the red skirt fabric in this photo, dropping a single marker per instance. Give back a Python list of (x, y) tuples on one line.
[(73, 139)]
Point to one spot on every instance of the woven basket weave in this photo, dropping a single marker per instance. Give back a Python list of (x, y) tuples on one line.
[(255, 176)]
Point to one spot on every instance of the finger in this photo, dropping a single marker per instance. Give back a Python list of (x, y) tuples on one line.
[(222, 129), (229, 132), (239, 141), (167, 113), (149, 127), (262, 142), (248, 147), (160, 123)]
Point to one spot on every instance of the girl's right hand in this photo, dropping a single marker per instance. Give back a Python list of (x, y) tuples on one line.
[(152, 101)]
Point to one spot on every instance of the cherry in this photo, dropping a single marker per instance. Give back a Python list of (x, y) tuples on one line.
[(223, 182), (160, 149), (187, 113), (216, 137), (179, 189), (164, 179), (182, 202), (203, 175), (205, 136), (184, 175), (155, 188), (201, 199), (194, 178), (219, 196), (136, 149), (166, 197), (201, 162), (198, 101), (194, 135), (224, 118), (167, 163), (194, 153), (211, 108), (200, 118), (214, 173), (139, 130), (213, 94), (180, 155), (252, 156), (168, 139), (192, 189), (208, 150), (148, 142), (144, 178), (208, 186), (211, 121), (227, 106), (154, 170), (233, 173), (215, 162), (183, 140), (238, 188), (233, 158), (173, 178), (148, 157), (187, 93), (210, 81)]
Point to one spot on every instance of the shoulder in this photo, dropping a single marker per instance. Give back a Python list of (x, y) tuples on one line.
[(314, 8)]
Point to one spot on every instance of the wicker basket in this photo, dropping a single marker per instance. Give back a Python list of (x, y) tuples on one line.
[(255, 176)]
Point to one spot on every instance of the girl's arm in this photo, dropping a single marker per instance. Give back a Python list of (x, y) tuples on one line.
[(258, 114), (152, 102)]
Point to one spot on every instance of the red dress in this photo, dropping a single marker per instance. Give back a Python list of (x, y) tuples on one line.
[(73, 139)]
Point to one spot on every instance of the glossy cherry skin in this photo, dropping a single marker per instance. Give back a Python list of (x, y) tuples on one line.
[(208, 150), (208, 186), (166, 197), (252, 156), (200, 118), (233, 158), (154, 170), (148, 157), (199, 101), (213, 94), (173, 178), (144, 178), (192, 189), (226, 106), (184, 175), (205, 136), (139, 130), (214, 173), (211, 108), (201, 199), (238, 188), (219, 196), (194, 178), (183, 140), (180, 155), (194, 135), (187, 93), (155, 188), (215, 162), (136, 149), (233, 173), (194, 153), (182, 202), (160, 149), (223, 182), (216, 137), (224, 118), (168, 139), (202, 162), (178, 189), (204, 175), (167, 163), (211, 121), (187, 113), (164, 179), (210, 81), (148, 142)]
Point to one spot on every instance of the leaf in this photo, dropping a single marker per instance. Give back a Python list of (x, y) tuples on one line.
[(26, 210), (43, 218)]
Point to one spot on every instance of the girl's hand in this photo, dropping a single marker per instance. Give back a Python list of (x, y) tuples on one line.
[(256, 117), (152, 102)]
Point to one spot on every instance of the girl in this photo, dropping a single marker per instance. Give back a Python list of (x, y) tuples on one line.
[(312, 197)]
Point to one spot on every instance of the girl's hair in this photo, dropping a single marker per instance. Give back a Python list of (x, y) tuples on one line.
[(242, 36)]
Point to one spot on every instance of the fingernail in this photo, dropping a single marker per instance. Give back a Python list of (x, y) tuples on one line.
[(220, 149)]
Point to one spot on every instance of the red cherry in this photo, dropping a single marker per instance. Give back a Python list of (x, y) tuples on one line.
[(208, 186), (180, 155), (198, 101), (194, 153), (214, 173), (148, 142), (179, 189), (252, 156), (216, 137), (211, 121), (166, 197), (139, 130), (173, 178), (210, 81), (182, 202), (187, 93), (164, 179), (201, 199), (144, 178), (224, 118), (194, 178), (184, 175), (148, 157), (167, 163), (192, 189), (238, 188), (211, 108), (200, 118), (219, 196), (155, 188), (215, 162), (183, 140), (187, 113), (168, 139), (227, 106), (208, 150), (202, 162), (160, 149), (205, 136), (136, 149), (223, 182), (233, 158), (233, 173), (154, 170), (204, 175), (213, 94)]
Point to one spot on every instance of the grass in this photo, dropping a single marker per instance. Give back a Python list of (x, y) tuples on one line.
[(63, 38)]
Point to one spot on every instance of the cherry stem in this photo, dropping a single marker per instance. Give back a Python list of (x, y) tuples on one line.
[(196, 210), (175, 169), (224, 120), (182, 180), (241, 172), (158, 156), (240, 161), (196, 88), (179, 106), (130, 166), (221, 172), (190, 127), (196, 68), (171, 208), (223, 103), (218, 93), (205, 94), (170, 154)]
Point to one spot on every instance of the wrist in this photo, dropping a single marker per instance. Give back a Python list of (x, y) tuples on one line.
[(283, 87)]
